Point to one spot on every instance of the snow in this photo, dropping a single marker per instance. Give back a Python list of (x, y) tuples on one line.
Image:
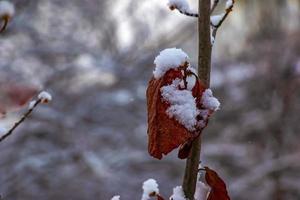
[(117, 197), (150, 188), (182, 5), (168, 59), (2, 130), (31, 104), (45, 97), (202, 191), (215, 19), (209, 101), (6, 9), (191, 82), (229, 3), (177, 194), (182, 104)]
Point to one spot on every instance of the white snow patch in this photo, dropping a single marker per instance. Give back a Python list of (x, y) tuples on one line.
[(31, 104), (215, 19), (177, 194), (150, 188), (209, 101), (202, 190), (45, 97), (2, 130), (191, 82), (117, 197), (182, 5), (7, 9), (229, 3), (182, 105), (168, 59)]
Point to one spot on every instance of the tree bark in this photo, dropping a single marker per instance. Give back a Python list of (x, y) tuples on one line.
[(204, 65)]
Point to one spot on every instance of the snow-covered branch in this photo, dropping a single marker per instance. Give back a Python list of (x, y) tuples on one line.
[(43, 97)]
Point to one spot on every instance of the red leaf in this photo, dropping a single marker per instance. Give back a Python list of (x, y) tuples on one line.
[(14, 96), (165, 133), (218, 187)]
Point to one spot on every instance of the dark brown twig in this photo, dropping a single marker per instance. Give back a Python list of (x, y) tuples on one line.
[(22, 119), (5, 22), (188, 13), (215, 3), (216, 26)]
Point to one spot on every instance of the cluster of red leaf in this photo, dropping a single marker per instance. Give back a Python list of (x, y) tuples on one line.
[(165, 133), (14, 96)]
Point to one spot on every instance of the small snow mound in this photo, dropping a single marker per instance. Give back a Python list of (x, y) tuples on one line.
[(117, 197), (177, 194), (2, 130), (45, 97), (182, 5), (31, 104), (229, 3), (168, 59), (182, 105), (6, 9), (209, 101), (215, 20), (150, 188)]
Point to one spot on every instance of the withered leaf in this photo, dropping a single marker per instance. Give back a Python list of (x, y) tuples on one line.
[(165, 133), (218, 187)]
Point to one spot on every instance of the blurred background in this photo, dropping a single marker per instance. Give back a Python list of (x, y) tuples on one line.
[(96, 56)]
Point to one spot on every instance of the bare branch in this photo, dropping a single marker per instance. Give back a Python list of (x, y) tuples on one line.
[(225, 15), (214, 5), (5, 22), (22, 119)]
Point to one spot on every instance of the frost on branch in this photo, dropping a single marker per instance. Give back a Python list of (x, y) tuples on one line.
[(150, 189), (7, 11), (177, 113)]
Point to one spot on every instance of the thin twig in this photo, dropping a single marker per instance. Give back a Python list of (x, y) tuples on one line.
[(22, 119), (5, 22), (188, 13), (215, 3), (215, 27)]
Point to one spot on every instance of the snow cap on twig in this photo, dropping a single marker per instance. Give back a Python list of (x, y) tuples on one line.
[(7, 9), (45, 97), (150, 189), (182, 5)]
